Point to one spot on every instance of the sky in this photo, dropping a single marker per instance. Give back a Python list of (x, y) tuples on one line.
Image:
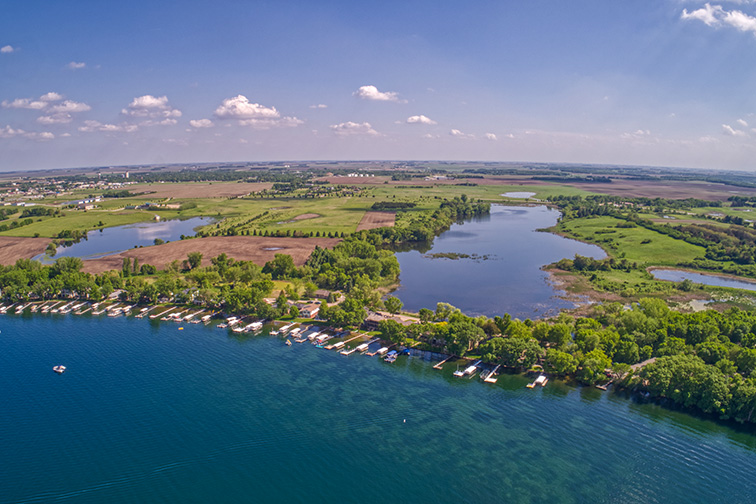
[(648, 82)]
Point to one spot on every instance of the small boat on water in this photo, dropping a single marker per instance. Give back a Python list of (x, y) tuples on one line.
[(288, 342), (391, 356), (542, 380), (59, 369)]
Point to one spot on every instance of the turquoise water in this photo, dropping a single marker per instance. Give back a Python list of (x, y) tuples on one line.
[(148, 413)]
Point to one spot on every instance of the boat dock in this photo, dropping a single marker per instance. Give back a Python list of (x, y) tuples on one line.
[(542, 380), (491, 377), (440, 365), (342, 343), (469, 371)]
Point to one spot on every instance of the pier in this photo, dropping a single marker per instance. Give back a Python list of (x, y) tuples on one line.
[(491, 377), (440, 365)]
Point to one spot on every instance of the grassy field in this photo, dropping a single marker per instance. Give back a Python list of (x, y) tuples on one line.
[(634, 244)]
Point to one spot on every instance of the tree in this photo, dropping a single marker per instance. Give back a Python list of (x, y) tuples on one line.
[(393, 304), (281, 267), (560, 363), (426, 315), (392, 330), (195, 259)]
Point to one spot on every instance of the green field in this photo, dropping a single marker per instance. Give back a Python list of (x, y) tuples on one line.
[(628, 243)]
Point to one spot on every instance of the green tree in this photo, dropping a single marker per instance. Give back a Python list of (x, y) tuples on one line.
[(195, 259), (393, 304)]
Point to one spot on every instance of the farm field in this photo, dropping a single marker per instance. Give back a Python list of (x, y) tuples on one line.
[(13, 248)]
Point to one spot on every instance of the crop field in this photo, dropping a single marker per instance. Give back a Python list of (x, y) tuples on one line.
[(14, 248), (372, 220)]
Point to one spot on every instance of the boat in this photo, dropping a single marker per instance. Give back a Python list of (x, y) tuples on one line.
[(542, 380), (391, 356), (288, 342), (59, 369)]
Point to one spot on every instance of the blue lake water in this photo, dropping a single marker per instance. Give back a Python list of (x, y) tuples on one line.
[(116, 239), (714, 280), (509, 280), (148, 413)]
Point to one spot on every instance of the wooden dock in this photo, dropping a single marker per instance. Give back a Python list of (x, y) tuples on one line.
[(491, 377), (329, 347), (440, 365)]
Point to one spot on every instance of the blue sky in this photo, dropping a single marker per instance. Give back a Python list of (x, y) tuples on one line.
[(89, 83)]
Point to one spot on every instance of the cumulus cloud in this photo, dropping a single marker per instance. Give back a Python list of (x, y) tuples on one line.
[(154, 109), (201, 123), (239, 107), (490, 136), (716, 16), (420, 119), (742, 122), (730, 131), (76, 65), (350, 128), (459, 134), (372, 93), (253, 114), (8, 132), (92, 126), (61, 113), (319, 106), (51, 97), (24, 103), (7, 49)]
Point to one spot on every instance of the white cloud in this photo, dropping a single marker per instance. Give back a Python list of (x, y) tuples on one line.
[(352, 128), (24, 103), (372, 93), (715, 15), (319, 106), (8, 132), (7, 49), (91, 126), (201, 123), (420, 119), (239, 107), (61, 112), (459, 134), (490, 136), (707, 14), (152, 107), (51, 97), (70, 106), (76, 65), (253, 114), (742, 122), (730, 131)]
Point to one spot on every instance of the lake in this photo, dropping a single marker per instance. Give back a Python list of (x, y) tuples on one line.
[(119, 238), (503, 273), (700, 278), (148, 413)]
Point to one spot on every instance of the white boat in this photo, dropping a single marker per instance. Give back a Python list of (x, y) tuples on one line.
[(59, 369), (362, 348), (542, 380)]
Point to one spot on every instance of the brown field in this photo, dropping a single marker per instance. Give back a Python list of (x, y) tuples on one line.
[(13, 248), (199, 189), (372, 220), (668, 189), (247, 248)]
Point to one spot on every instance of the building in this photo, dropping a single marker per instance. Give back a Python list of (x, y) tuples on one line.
[(309, 310)]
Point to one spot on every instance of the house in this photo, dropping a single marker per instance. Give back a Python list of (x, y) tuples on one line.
[(375, 318), (309, 310)]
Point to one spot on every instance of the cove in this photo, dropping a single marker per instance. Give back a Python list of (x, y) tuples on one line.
[(503, 273), (119, 238), (148, 413), (700, 278)]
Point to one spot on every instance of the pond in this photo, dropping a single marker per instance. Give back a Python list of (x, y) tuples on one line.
[(700, 278), (492, 265), (117, 239)]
